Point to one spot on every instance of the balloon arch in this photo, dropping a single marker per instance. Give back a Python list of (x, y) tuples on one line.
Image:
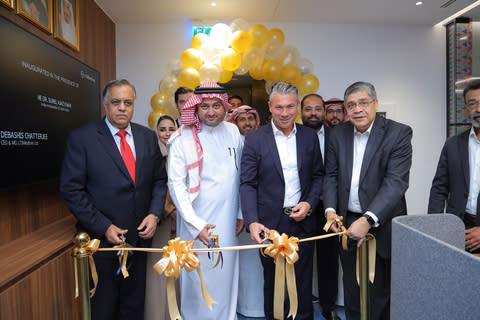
[(232, 49)]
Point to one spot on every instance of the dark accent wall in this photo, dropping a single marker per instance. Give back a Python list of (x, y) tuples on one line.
[(33, 219)]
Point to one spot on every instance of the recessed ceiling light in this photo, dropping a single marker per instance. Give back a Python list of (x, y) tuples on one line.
[(419, 3), (213, 4)]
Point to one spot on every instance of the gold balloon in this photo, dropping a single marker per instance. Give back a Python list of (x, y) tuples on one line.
[(198, 40), (191, 58), (256, 72), (241, 41), (291, 74), (276, 33), (230, 60), (158, 101), (189, 78), (259, 33), (271, 70), (225, 76), (298, 119), (153, 117), (308, 84)]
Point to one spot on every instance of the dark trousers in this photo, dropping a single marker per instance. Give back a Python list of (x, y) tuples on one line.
[(327, 268), (303, 273), (379, 291), (117, 298)]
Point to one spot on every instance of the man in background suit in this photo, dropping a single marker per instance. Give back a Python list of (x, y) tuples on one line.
[(280, 187), (457, 180), (114, 182), (366, 177), (313, 116)]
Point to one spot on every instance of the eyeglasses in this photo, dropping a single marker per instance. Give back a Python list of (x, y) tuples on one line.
[(215, 106), (473, 104), (332, 111), (362, 104)]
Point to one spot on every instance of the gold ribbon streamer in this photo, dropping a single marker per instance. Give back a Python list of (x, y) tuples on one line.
[(371, 242), (284, 251), (88, 250), (122, 258), (340, 227), (177, 255)]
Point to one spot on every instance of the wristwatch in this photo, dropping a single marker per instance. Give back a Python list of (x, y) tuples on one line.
[(369, 219)]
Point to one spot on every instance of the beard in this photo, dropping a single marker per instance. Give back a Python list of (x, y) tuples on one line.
[(476, 120), (313, 122)]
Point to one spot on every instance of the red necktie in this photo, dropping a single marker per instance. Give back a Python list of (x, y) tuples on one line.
[(127, 154)]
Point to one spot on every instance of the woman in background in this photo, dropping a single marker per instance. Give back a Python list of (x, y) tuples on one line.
[(156, 294)]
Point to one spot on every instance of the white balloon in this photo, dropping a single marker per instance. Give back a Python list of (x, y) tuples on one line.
[(210, 52), (209, 73), (168, 85), (273, 49), (221, 34), (289, 56), (305, 66), (239, 24), (174, 67)]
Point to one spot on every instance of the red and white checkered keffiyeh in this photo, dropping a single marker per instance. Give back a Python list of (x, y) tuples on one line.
[(244, 109), (189, 118), (189, 111)]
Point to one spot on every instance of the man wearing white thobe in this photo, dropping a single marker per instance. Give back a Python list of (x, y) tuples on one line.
[(203, 169)]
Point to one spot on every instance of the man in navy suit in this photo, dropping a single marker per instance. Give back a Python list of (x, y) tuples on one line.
[(366, 177), (280, 187), (114, 182), (457, 180), (313, 116)]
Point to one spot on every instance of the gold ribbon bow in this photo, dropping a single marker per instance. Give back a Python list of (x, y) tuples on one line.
[(176, 255), (340, 227), (284, 251), (88, 250), (371, 244)]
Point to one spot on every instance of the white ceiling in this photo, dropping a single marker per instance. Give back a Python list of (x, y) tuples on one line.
[(318, 11)]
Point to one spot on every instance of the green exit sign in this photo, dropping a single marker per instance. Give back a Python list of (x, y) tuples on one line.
[(205, 30)]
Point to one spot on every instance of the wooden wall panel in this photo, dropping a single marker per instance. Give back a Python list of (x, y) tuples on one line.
[(45, 291), (45, 294), (27, 209)]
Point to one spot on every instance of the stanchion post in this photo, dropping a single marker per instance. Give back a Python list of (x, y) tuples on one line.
[(363, 275), (81, 257)]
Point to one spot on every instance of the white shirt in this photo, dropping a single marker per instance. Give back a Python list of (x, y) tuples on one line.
[(287, 151), (321, 139), (129, 137), (474, 160)]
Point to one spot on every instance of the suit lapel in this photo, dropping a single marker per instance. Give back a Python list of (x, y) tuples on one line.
[(349, 150), (273, 151), (374, 141), (464, 157), (139, 150), (299, 142), (110, 147)]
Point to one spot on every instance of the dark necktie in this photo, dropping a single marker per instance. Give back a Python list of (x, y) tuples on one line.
[(127, 154)]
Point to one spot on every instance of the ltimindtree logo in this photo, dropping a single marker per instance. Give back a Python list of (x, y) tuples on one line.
[(84, 75)]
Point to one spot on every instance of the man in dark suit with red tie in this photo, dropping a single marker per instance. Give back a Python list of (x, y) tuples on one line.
[(457, 180), (280, 187), (114, 181), (366, 176)]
